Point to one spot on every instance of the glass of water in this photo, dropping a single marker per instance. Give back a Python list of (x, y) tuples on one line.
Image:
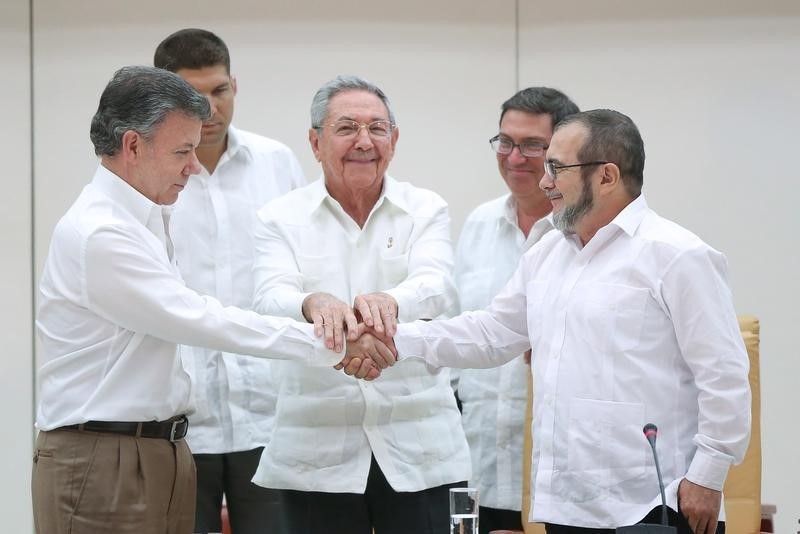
[(463, 511)]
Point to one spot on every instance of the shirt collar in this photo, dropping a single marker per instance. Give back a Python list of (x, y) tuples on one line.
[(510, 215), (631, 216), (391, 191), (235, 144), (138, 205)]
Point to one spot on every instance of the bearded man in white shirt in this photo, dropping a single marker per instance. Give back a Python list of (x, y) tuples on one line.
[(494, 237), (110, 455), (358, 245), (212, 227), (632, 321)]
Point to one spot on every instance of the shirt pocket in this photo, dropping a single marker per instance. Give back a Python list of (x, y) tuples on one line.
[(393, 268), (605, 445), (320, 272), (426, 426), (608, 317), (309, 432)]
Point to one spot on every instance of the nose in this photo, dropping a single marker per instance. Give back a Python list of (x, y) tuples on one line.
[(213, 103), (515, 157), (193, 167), (363, 140), (546, 182)]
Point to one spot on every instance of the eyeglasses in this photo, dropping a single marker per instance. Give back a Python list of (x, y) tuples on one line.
[(347, 128), (552, 169), (505, 146)]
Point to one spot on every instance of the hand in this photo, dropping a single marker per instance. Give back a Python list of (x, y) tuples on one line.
[(368, 347), (700, 506), (361, 369), (378, 311), (331, 317)]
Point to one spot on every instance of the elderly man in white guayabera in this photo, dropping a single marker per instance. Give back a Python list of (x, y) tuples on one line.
[(358, 246)]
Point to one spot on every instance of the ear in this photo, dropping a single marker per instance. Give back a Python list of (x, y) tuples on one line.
[(611, 178), (395, 136), (233, 85), (131, 145), (313, 139)]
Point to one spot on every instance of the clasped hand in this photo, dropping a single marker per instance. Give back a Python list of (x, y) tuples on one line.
[(367, 326)]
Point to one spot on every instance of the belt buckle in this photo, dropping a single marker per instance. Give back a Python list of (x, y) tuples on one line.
[(174, 429)]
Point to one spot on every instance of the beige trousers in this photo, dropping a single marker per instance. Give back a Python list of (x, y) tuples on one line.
[(91, 482)]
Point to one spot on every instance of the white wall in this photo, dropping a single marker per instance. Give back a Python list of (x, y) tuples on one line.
[(16, 369), (713, 89)]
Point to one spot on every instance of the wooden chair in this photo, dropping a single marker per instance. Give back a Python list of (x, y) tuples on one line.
[(742, 490)]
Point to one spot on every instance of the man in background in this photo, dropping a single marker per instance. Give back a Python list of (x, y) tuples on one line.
[(212, 227), (495, 235)]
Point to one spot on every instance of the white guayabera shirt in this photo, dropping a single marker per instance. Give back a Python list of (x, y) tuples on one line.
[(638, 326), (328, 424), (112, 309), (493, 400), (212, 228)]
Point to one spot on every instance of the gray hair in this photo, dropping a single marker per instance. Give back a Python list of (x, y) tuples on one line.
[(139, 99), (319, 105)]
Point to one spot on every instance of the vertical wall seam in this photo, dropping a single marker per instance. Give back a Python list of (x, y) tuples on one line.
[(516, 45), (33, 218)]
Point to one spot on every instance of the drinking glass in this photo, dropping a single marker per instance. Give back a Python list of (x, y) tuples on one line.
[(463, 511)]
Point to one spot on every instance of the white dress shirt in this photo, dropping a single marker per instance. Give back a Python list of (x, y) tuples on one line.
[(328, 424), (212, 228), (112, 309), (637, 326), (493, 400)]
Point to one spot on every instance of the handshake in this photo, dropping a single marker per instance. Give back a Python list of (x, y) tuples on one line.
[(368, 326)]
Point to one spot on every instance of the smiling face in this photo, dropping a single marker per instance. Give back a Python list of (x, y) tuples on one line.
[(571, 195), (522, 174), (219, 88), (354, 163), (164, 163)]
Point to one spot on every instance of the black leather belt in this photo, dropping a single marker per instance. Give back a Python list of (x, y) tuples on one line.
[(173, 429)]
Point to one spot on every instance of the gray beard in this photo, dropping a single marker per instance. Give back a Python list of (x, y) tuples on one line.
[(566, 219)]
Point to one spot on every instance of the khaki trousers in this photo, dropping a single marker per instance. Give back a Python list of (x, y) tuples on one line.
[(92, 482)]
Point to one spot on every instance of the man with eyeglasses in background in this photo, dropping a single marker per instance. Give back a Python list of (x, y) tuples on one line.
[(631, 319), (495, 235), (358, 246), (212, 227)]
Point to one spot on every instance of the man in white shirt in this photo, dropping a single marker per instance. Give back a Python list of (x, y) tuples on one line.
[(110, 455), (494, 237), (358, 245), (632, 321), (212, 227)]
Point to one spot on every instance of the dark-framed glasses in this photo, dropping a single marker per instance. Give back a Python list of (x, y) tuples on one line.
[(347, 128), (504, 146), (552, 169)]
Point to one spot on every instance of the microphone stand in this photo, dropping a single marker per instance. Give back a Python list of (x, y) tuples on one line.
[(651, 431)]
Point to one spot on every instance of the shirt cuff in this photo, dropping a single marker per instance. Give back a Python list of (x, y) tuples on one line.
[(708, 470), (320, 355), (407, 307), (409, 341)]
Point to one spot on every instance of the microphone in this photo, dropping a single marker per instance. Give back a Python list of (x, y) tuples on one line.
[(651, 432)]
